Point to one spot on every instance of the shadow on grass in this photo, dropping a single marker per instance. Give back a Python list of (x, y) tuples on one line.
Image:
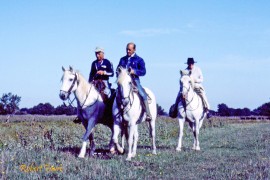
[(158, 147), (98, 154)]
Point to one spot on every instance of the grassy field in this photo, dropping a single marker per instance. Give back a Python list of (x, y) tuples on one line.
[(48, 150)]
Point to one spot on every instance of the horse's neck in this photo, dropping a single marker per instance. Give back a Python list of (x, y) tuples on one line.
[(191, 94), (86, 93)]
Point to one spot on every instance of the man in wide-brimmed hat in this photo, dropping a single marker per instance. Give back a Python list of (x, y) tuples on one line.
[(196, 74)]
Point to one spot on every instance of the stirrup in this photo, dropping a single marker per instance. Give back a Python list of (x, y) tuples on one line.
[(208, 115), (77, 120)]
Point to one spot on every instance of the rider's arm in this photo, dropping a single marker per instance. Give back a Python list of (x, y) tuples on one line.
[(199, 77), (140, 70), (92, 72), (109, 69)]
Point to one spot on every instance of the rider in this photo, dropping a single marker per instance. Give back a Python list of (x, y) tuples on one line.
[(101, 69), (196, 74), (136, 67)]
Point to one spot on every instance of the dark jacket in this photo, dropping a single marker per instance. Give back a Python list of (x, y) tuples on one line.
[(105, 65), (136, 63)]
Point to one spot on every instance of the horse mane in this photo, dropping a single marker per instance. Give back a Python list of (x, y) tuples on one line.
[(122, 75), (82, 81)]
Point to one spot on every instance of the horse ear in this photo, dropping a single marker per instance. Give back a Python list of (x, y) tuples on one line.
[(181, 72), (63, 69), (184, 72), (119, 69), (129, 70), (70, 68)]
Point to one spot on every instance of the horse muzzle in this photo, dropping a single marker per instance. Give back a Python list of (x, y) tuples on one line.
[(63, 95)]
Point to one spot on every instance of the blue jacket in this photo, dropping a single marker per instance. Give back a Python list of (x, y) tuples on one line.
[(105, 65), (136, 63)]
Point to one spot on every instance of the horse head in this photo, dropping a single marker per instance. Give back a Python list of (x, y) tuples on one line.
[(124, 82), (69, 83), (186, 83)]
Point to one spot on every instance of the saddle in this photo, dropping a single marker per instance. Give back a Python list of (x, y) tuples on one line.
[(100, 86)]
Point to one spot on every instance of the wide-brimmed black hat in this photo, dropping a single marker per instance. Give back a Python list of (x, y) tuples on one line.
[(190, 60)]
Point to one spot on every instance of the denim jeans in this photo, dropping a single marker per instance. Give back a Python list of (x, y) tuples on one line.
[(140, 89)]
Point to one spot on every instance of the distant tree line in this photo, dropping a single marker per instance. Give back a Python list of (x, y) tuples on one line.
[(224, 110), (48, 109), (9, 104)]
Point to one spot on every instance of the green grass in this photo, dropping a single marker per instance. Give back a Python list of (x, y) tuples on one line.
[(49, 149)]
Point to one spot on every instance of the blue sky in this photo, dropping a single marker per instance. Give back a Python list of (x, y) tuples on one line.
[(229, 40)]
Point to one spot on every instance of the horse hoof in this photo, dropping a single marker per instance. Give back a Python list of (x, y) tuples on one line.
[(154, 152), (80, 156), (121, 151), (178, 149), (112, 151), (128, 159), (196, 148), (133, 155)]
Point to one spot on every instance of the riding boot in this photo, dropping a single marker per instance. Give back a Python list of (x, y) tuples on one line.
[(148, 114), (77, 120)]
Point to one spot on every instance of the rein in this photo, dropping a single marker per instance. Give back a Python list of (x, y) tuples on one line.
[(70, 89), (87, 97), (125, 110), (188, 102), (72, 85)]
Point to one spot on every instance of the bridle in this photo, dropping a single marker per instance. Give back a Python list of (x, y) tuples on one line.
[(187, 102), (72, 85), (75, 80), (125, 108)]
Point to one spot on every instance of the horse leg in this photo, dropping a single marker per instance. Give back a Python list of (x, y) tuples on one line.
[(89, 126), (116, 131), (136, 136), (180, 136), (196, 130), (201, 121), (152, 130), (83, 150), (111, 144), (92, 144), (124, 135), (131, 129)]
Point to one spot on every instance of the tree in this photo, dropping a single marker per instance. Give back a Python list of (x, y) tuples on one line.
[(63, 109), (9, 103), (43, 109), (245, 112), (161, 111), (263, 110), (223, 110)]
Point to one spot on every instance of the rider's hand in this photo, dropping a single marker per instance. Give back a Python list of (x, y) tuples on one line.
[(131, 71), (100, 72)]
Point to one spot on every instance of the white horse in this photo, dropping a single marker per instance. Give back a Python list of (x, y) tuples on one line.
[(90, 106), (191, 109), (127, 112)]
